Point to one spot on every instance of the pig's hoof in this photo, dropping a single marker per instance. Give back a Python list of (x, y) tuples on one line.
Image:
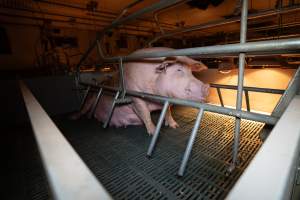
[(151, 130), (172, 124)]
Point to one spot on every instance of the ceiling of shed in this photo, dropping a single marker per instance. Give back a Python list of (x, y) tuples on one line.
[(97, 14)]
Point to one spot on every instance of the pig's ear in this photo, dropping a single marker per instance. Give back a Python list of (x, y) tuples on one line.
[(166, 63), (198, 67)]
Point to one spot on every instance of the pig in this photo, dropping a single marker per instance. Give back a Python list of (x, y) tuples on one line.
[(171, 77)]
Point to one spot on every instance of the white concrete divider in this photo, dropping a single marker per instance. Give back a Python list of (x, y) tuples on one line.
[(68, 176)]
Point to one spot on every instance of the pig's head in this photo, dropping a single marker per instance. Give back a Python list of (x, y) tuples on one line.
[(176, 80)]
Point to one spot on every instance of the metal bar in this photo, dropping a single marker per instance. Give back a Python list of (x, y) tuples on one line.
[(111, 110), (85, 96), (96, 102), (122, 80), (152, 8), (189, 147), (212, 108), (282, 45), (158, 126), (251, 89), (243, 36), (224, 22), (247, 100), (68, 176), (220, 96), (286, 98), (281, 149)]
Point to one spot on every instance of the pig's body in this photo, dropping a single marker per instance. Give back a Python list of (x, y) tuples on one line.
[(160, 76)]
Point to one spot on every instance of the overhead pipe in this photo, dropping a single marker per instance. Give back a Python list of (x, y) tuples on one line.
[(100, 13), (155, 15), (152, 8), (77, 17), (67, 21), (224, 22)]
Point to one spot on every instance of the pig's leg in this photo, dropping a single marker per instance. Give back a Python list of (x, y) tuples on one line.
[(169, 119), (86, 107), (141, 109)]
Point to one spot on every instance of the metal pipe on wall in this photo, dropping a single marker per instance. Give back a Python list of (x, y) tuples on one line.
[(224, 22), (100, 13)]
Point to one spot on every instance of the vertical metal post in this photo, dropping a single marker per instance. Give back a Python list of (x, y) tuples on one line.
[(85, 96), (122, 80), (244, 16), (247, 100), (220, 96), (158, 126), (95, 103), (189, 147), (111, 110)]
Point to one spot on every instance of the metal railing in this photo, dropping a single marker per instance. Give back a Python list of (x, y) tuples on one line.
[(246, 91), (68, 176), (283, 45)]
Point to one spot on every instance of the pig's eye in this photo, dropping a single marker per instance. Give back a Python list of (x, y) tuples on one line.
[(179, 70)]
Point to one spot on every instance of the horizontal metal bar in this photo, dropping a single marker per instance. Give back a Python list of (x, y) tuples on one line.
[(282, 45), (250, 89), (224, 22), (212, 108), (69, 178)]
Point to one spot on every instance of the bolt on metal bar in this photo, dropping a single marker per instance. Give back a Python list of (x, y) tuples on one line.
[(250, 89), (220, 96), (243, 36), (96, 102), (157, 130), (189, 147), (111, 110), (247, 100), (85, 96), (212, 108)]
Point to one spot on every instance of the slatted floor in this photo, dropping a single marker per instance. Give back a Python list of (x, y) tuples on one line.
[(117, 157)]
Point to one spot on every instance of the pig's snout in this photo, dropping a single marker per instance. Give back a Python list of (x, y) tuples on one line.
[(199, 91)]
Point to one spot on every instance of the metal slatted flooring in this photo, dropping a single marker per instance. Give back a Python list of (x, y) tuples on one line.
[(117, 156)]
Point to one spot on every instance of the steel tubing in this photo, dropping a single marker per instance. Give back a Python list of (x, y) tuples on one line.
[(158, 126), (243, 36), (152, 8), (250, 89), (212, 108), (249, 47), (225, 22), (189, 146)]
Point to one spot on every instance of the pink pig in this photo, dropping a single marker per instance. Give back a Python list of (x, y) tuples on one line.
[(170, 77)]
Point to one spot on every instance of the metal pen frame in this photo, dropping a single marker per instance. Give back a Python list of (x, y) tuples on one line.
[(274, 46)]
